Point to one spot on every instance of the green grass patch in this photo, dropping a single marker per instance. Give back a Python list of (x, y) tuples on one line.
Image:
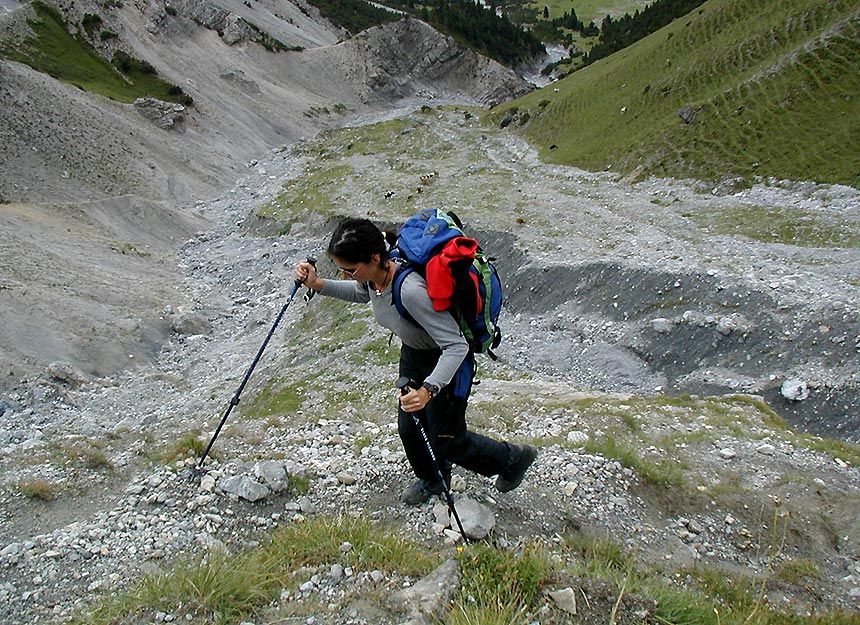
[(768, 92), (697, 596), (298, 485), (80, 452), (278, 398), (189, 445), (849, 452), (598, 558), (320, 190), (499, 587), (71, 58), (787, 225), (403, 158), (586, 10), (664, 472), (222, 588), (380, 351), (796, 571)]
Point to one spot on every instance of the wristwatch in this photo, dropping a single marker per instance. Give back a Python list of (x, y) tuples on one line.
[(432, 388)]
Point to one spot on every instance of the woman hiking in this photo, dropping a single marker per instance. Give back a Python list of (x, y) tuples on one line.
[(433, 353)]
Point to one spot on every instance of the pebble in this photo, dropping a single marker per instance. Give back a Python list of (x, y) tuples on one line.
[(767, 449)]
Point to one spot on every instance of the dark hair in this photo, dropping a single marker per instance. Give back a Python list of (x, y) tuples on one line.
[(356, 240)]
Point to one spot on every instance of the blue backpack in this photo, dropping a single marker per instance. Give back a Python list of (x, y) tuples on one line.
[(460, 276)]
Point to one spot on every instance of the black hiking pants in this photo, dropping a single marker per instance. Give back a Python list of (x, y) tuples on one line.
[(444, 419)]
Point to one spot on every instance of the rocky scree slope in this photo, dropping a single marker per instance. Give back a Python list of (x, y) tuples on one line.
[(61, 143), (98, 168), (630, 286), (319, 405)]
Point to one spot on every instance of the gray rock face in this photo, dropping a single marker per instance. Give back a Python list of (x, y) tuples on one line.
[(291, 23), (67, 374), (408, 56), (164, 115), (190, 324), (688, 114), (272, 473), (565, 599)]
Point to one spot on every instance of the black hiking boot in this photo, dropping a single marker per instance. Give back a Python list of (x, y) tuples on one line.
[(513, 476), (420, 491)]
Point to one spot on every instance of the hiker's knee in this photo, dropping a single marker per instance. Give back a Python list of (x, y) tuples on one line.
[(453, 447)]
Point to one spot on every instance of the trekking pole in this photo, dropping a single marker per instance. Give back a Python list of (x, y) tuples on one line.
[(235, 400), (405, 384)]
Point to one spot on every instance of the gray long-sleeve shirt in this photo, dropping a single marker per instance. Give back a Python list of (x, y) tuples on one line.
[(438, 329)]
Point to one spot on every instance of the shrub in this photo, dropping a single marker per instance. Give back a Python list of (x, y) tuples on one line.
[(38, 488), (188, 445), (90, 23), (127, 64)]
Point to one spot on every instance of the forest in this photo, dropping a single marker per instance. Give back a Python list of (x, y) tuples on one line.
[(619, 33), (493, 33)]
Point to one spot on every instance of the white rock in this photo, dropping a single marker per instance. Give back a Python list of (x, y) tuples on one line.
[(577, 438), (244, 487), (477, 519), (440, 513), (662, 325), (346, 479), (207, 483), (565, 599), (458, 484), (794, 390), (766, 448)]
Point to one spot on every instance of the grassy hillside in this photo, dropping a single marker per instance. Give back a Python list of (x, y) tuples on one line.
[(53, 50), (767, 89)]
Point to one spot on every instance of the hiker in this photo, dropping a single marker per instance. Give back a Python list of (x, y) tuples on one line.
[(433, 353)]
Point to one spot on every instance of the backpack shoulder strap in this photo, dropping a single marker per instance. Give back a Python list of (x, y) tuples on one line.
[(397, 286)]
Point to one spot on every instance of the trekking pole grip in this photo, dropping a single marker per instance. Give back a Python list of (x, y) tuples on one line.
[(313, 261), (406, 384), (309, 294)]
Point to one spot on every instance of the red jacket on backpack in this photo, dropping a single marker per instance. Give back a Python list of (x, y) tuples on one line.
[(440, 280)]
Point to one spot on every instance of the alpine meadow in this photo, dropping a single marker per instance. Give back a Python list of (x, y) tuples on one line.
[(737, 88)]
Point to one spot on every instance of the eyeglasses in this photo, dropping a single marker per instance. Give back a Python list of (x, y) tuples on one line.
[(351, 272)]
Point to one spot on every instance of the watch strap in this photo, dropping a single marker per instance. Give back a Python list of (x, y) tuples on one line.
[(432, 388)]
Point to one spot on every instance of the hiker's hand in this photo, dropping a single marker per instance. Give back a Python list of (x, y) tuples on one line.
[(306, 273), (415, 400)]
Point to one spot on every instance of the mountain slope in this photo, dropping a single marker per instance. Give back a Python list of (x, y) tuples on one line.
[(248, 99), (596, 272), (67, 153), (737, 88)]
